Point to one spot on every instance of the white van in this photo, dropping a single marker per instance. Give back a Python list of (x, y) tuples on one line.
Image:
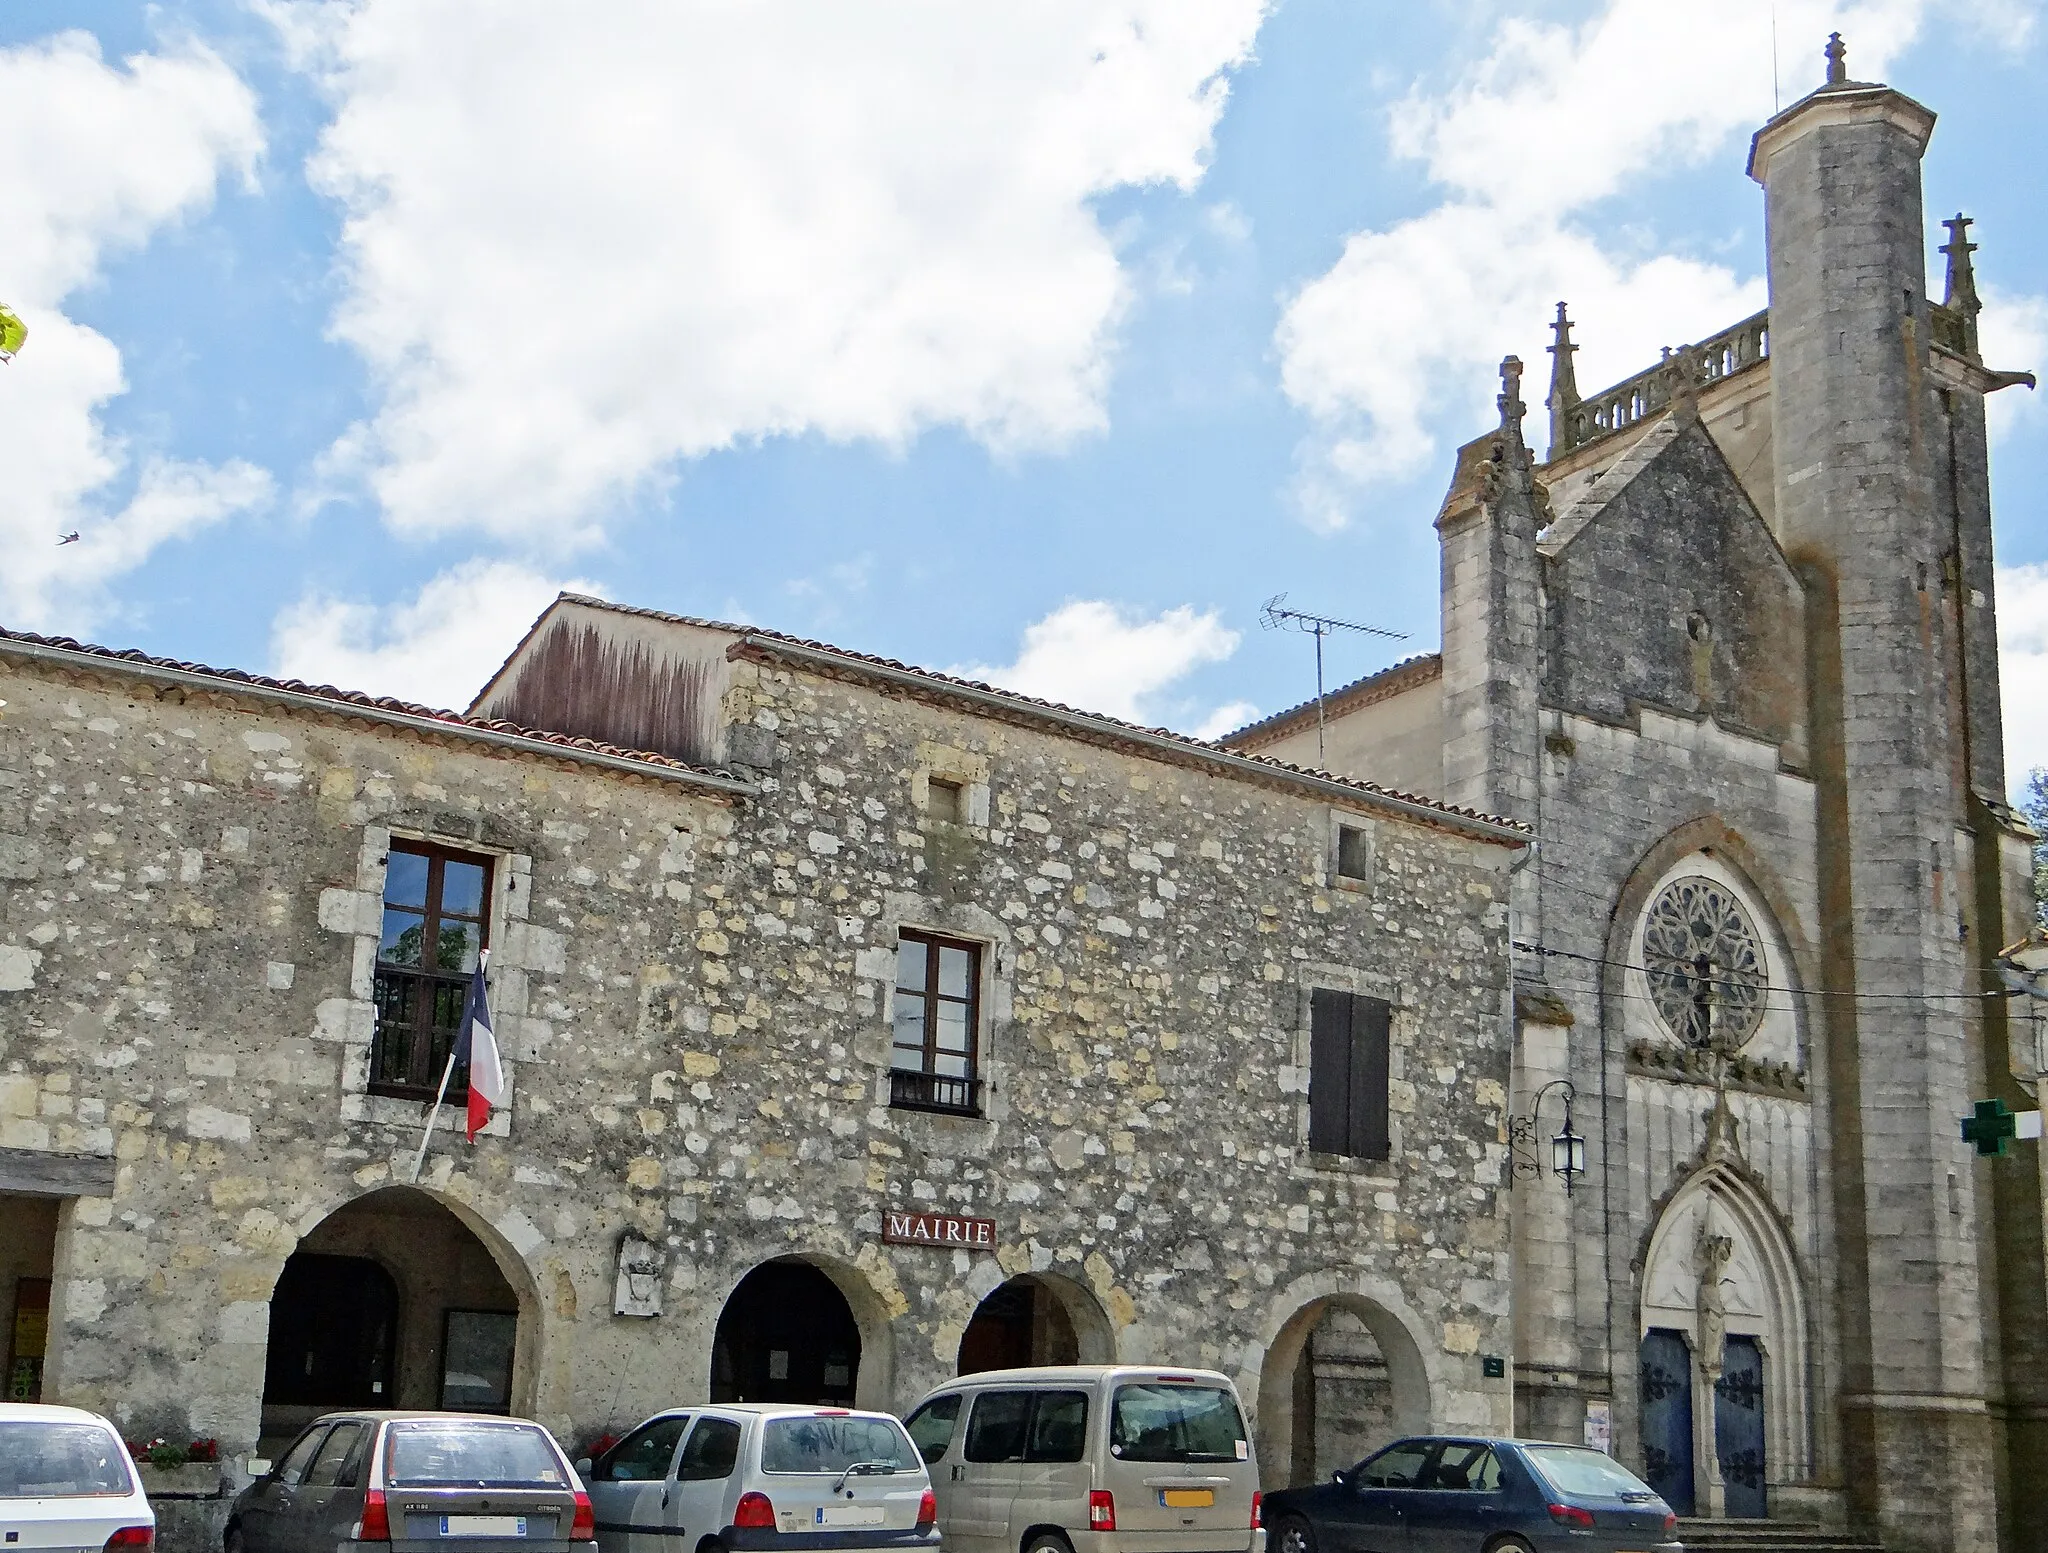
[(1092, 1458)]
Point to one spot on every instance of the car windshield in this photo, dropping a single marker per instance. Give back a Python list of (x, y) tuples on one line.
[(441, 1453), (832, 1442), (1573, 1469), (1161, 1422), (56, 1460)]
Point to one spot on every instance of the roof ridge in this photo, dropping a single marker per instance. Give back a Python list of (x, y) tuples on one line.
[(1417, 667), (454, 721)]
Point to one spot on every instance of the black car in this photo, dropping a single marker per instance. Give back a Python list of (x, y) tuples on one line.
[(415, 1483), (1458, 1494)]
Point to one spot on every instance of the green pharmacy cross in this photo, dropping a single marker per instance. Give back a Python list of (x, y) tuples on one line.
[(1993, 1125)]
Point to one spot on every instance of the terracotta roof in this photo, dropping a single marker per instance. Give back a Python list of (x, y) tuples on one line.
[(1390, 681), (752, 640), (387, 707)]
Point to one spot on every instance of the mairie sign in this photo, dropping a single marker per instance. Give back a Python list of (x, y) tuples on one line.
[(1992, 1125), (938, 1229)]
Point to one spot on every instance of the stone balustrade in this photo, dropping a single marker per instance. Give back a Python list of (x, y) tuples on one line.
[(1635, 399)]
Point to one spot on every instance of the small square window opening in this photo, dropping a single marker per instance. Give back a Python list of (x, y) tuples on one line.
[(936, 1035), (1354, 853), (946, 800), (437, 911)]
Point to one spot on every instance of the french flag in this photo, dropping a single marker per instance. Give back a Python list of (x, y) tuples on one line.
[(477, 1049)]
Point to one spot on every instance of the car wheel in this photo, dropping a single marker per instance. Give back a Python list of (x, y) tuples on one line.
[(1294, 1535), (232, 1542), (1048, 1542), (1508, 1545)]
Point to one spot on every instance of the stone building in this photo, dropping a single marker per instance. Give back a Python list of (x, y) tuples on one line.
[(860, 1024), (1731, 650)]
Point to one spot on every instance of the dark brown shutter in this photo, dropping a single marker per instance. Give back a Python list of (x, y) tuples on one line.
[(1329, 1071), (1372, 1030)]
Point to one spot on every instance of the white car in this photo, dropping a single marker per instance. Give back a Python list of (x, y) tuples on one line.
[(66, 1483), (746, 1478)]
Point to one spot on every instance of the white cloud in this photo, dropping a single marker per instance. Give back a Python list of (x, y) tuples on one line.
[(101, 158), (437, 648), (2023, 667), (1092, 655), (671, 228), (1404, 331), (2012, 332)]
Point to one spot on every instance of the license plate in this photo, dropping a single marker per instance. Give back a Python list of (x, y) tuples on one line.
[(483, 1525), (848, 1515), (1186, 1498)]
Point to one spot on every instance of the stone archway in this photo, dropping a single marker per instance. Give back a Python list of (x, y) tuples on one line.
[(399, 1299), (1036, 1319), (1719, 1228), (1380, 1335), (770, 1305)]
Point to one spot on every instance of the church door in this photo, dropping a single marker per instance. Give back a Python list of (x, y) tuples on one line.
[(1739, 1427), (1666, 1381)]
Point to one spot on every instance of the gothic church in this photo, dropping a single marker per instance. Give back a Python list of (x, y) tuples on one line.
[(1731, 650)]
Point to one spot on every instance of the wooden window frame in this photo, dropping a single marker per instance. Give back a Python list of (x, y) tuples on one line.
[(428, 1056), (924, 1088), (1351, 1045)]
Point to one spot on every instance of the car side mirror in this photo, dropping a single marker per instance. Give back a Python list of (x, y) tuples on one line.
[(583, 1466), (257, 1467), (1340, 1477)]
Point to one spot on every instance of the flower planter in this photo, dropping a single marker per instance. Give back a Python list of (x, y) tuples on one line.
[(194, 1480)]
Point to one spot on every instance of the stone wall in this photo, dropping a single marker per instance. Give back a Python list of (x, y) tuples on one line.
[(693, 996)]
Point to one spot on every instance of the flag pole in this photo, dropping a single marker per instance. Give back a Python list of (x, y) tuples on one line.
[(434, 1116)]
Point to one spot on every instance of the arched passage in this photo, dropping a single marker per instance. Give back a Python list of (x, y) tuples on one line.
[(1341, 1377), (395, 1300), (1036, 1318), (789, 1333)]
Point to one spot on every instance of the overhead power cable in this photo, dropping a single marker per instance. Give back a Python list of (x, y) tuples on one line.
[(1794, 992)]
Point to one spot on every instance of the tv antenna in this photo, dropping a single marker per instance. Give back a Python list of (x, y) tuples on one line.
[(1275, 616)]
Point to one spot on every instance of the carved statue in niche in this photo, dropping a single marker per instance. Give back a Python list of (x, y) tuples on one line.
[(1711, 1254)]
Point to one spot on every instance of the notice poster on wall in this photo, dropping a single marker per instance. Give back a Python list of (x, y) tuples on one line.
[(1600, 1426)]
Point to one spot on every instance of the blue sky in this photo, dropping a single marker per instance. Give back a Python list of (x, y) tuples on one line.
[(1040, 342)]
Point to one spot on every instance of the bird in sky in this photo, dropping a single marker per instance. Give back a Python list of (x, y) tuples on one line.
[(68, 539)]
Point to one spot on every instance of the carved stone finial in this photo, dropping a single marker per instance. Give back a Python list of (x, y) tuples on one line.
[(1564, 384), (1961, 295), (1837, 53), (1510, 399)]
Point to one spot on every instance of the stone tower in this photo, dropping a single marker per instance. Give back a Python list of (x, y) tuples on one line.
[(1868, 514)]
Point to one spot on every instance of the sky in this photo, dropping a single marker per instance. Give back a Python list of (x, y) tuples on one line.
[(1037, 342)]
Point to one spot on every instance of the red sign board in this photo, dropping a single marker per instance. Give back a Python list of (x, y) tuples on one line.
[(938, 1229)]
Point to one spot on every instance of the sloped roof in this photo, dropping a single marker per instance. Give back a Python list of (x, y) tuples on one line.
[(755, 641), (66, 651), (1390, 681)]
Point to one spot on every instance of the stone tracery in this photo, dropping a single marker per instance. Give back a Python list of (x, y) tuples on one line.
[(1705, 964)]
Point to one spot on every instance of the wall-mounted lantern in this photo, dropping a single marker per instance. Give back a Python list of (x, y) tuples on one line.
[(1567, 1144)]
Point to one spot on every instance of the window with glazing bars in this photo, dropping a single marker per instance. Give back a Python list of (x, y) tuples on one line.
[(938, 1015), (436, 920)]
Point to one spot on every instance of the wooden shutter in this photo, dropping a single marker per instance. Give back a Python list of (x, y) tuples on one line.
[(1350, 1038), (1372, 1031), (1329, 1071)]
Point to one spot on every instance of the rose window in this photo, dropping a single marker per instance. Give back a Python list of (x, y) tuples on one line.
[(1706, 968)]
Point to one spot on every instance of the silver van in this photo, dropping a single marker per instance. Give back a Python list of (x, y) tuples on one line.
[(1092, 1458), (740, 1477)]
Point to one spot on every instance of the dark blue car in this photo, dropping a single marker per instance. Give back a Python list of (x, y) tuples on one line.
[(1458, 1494)]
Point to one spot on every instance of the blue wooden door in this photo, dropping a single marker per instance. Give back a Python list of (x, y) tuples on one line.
[(1665, 1376), (1739, 1427)]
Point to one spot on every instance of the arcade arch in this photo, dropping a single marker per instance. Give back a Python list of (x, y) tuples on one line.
[(803, 1328), (1342, 1375), (1036, 1318), (396, 1300)]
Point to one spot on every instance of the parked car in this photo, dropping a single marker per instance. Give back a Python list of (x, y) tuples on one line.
[(758, 1476), (1458, 1494), (66, 1482), (1092, 1458), (417, 1481)]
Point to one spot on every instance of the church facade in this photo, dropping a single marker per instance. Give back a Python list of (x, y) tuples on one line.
[(1731, 649)]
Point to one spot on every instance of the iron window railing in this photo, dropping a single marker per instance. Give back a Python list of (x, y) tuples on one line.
[(934, 1092), (936, 1021)]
